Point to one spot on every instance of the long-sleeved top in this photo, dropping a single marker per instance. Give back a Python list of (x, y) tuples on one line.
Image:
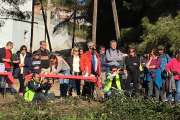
[(157, 63), (35, 63), (164, 60), (174, 65), (103, 62), (122, 62), (62, 66), (129, 61), (70, 61), (113, 53)]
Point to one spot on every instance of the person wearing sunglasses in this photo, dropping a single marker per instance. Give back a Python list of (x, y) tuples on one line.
[(22, 62), (132, 65), (73, 62)]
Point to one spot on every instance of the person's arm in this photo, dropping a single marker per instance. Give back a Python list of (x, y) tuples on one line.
[(81, 63), (157, 65), (27, 61), (111, 76), (168, 57), (128, 62), (148, 63), (30, 67), (32, 86), (109, 58), (138, 63), (60, 67), (169, 65), (119, 58)]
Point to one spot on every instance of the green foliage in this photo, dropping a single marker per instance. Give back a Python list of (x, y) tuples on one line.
[(117, 107)]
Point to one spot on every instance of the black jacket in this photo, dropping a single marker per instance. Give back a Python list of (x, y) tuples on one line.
[(70, 62), (26, 64), (3, 54)]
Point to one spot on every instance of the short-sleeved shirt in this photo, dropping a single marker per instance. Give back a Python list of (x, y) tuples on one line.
[(156, 62), (8, 56)]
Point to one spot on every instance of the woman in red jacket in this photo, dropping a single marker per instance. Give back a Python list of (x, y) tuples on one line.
[(174, 66)]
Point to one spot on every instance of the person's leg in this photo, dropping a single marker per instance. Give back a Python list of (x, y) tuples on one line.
[(150, 87), (162, 90), (169, 94), (107, 70), (21, 83), (128, 81), (62, 89), (157, 91), (71, 83), (9, 70), (85, 88), (78, 86), (103, 78), (39, 97), (51, 96), (177, 92), (2, 81), (135, 78)]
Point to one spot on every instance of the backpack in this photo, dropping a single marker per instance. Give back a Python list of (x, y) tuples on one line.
[(116, 51)]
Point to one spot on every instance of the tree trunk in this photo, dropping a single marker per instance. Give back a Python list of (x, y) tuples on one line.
[(74, 27), (94, 22), (48, 21), (32, 27), (116, 21)]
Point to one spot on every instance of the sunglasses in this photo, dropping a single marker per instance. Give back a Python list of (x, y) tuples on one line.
[(114, 70), (24, 49), (131, 51), (76, 50)]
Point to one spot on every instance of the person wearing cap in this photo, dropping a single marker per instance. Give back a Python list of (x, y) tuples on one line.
[(164, 60), (35, 65)]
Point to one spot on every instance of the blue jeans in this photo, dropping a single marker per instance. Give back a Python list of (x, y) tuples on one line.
[(177, 92), (3, 78), (62, 81), (108, 69)]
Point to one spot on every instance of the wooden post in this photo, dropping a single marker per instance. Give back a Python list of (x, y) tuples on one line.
[(116, 20), (94, 22), (44, 18), (48, 21), (32, 27), (74, 27)]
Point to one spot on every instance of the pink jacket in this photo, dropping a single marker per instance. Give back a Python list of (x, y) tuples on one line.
[(174, 65)]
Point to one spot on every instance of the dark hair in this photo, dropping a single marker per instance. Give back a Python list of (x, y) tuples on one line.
[(129, 50), (42, 42), (155, 51), (35, 53), (54, 58), (101, 47), (122, 49), (9, 43), (34, 74), (23, 46), (113, 66)]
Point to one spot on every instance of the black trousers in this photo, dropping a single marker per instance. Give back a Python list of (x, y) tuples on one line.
[(21, 82), (132, 76), (71, 84), (88, 86)]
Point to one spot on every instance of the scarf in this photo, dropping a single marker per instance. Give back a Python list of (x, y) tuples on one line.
[(22, 62)]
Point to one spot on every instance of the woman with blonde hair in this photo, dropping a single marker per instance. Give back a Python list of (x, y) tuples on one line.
[(132, 65), (73, 62)]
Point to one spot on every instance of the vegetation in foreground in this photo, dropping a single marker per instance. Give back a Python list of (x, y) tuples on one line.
[(74, 108)]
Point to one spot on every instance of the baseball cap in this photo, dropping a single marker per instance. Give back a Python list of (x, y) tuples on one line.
[(160, 47)]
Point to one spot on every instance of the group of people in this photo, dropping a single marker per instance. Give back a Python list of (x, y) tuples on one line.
[(153, 71)]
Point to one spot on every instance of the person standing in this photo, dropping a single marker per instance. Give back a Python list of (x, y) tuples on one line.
[(102, 57), (172, 67), (132, 66), (22, 60), (90, 66), (73, 62), (60, 66), (81, 52), (113, 56), (153, 74), (164, 60), (44, 56), (6, 58)]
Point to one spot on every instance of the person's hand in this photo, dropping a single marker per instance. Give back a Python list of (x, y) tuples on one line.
[(147, 67), (44, 81), (125, 71), (135, 63), (82, 73), (21, 65), (36, 68), (118, 71), (50, 81), (7, 60), (112, 57), (16, 61)]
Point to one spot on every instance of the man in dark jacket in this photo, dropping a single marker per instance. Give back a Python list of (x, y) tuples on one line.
[(6, 58), (44, 56), (102, 57)]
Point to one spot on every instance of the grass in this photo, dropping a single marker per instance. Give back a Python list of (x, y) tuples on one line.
[(73, 108)]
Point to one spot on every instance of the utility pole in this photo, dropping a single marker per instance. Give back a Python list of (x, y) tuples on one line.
[(94, 22), (116, 20), (48, 21), (32, 27), (74, 27)]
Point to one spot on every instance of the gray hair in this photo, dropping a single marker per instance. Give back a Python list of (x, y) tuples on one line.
[(42, 42), (88, 44), (9, 43), (112, 41)]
